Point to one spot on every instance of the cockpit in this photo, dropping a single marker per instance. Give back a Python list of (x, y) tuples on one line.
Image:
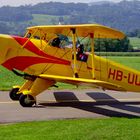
[(63, 42)]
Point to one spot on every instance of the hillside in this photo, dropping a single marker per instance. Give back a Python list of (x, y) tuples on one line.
[(123, 15)]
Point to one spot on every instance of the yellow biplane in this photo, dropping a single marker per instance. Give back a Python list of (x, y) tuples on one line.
[(50, 54)]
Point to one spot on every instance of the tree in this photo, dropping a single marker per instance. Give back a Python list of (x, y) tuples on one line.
[(113, 45)]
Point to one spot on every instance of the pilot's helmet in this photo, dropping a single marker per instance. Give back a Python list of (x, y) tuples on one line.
[(56, 42)]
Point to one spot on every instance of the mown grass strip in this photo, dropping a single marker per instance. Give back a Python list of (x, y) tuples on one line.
[(130, 54), (82, 129)]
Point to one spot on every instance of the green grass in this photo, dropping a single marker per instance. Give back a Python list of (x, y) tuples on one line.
[(9, 79), (130, 54), (40, 19), (135, 42), (44, 19), (133, 62), (83, 129)]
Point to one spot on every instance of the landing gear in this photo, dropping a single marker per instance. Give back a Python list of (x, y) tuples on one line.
[(27, 100), (14, 95)]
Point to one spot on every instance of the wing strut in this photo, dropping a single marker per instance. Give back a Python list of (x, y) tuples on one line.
[(29, 38), (40, 40), (74, 50), (92, 51)]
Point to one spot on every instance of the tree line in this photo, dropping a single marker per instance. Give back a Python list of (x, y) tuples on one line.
[(135, 33), (113, 45), (123, 16)]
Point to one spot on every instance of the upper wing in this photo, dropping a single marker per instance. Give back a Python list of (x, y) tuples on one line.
[(81, 81), (82, 30)]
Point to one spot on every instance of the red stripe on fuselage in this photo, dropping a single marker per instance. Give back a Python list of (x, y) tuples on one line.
[(23, 62), (31, 47)]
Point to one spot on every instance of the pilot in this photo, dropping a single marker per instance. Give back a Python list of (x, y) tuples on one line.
[(28, 35), (56, 42), (80, 53)]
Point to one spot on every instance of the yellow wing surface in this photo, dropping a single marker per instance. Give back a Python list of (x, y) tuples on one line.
[(99, 31), (82, 81)]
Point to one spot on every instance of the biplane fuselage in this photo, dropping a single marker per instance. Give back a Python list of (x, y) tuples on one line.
[(46, 64)]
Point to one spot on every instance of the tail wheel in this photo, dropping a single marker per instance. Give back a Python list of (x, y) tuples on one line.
[(27, 100), (13, 94)]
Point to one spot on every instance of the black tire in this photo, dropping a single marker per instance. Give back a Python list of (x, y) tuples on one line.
[(13, 94), (27, 100)]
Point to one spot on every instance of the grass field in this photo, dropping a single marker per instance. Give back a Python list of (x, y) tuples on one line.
[(133, 62), (82, 129), (135, 42), (8, 79), (39, 19), (44, 19)]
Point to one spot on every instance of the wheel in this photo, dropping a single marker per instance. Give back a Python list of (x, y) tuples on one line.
[(27, 100), (13, 94)]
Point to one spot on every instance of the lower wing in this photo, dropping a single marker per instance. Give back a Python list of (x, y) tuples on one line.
[(81, 81)]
